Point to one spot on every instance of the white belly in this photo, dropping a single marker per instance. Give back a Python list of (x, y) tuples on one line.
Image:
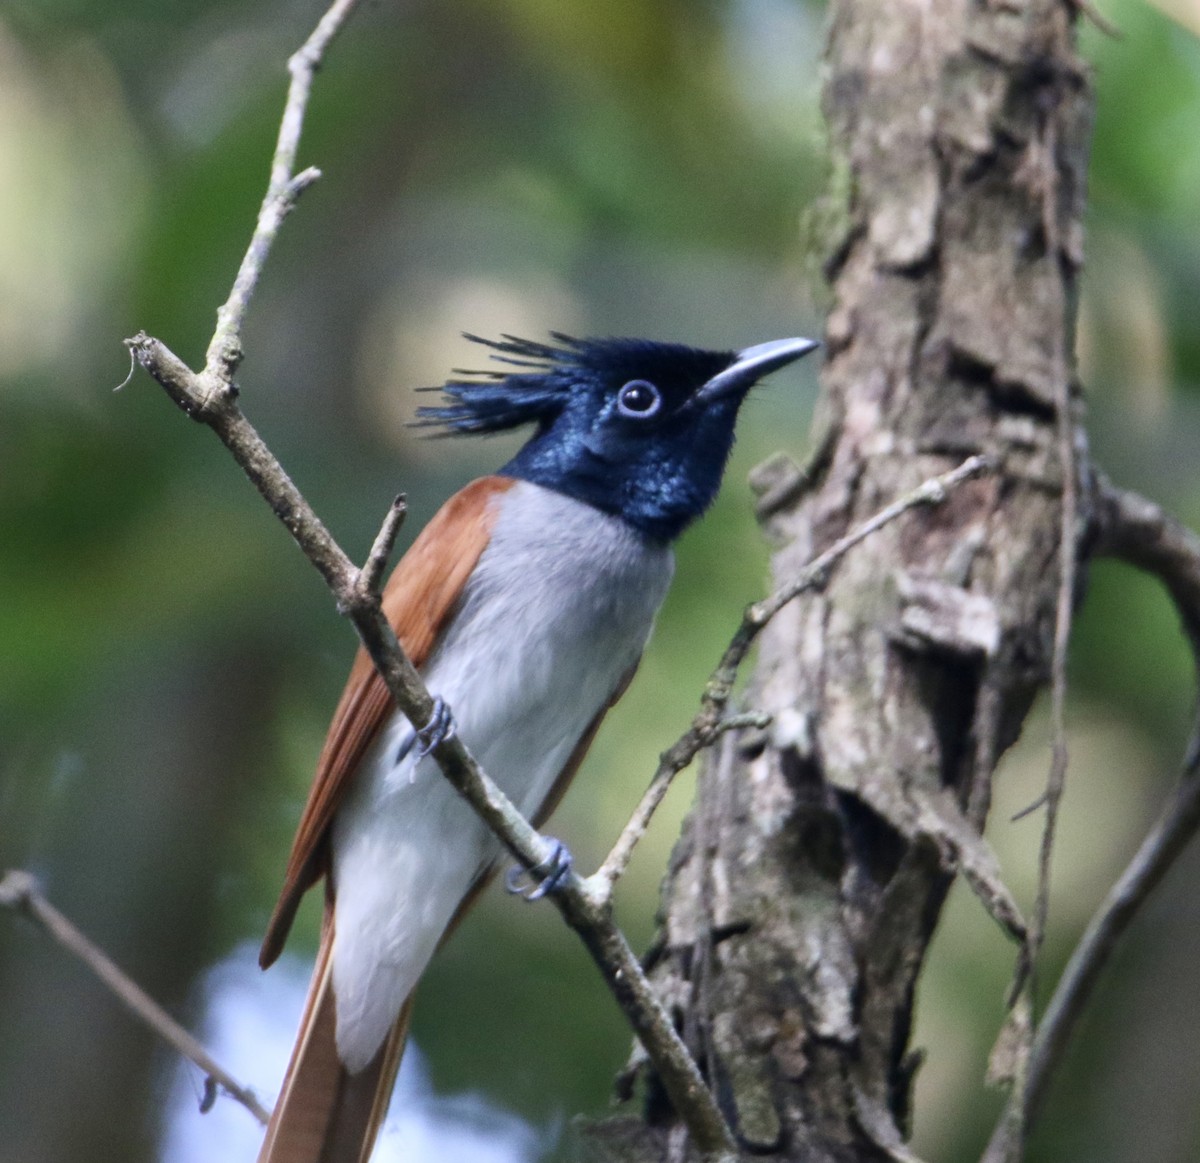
[(556, 612)]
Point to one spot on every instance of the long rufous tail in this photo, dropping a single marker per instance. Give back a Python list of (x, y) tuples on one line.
[(325, 1114)]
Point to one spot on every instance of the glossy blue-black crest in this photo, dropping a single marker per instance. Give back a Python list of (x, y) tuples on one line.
[(621, 424), (495, 400)]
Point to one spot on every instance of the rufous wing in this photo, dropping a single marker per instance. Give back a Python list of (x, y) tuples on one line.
[(418, 600)]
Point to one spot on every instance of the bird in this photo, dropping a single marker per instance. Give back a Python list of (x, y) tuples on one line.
[(525, 603)]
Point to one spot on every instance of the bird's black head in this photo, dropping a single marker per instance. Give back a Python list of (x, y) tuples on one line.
[(638, 429)]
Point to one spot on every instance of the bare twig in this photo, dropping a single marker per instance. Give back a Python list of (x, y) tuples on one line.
[(1067, 549), (1010, 1132), (285, 186), (1102, 23), (211, 398), (132, 369), (708, 723), (385, 542), (590, 917), (1175, 827), (20, 892), (1135, 530)]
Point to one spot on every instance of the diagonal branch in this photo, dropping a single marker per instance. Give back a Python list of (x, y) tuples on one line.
[(210, 397), (1175, 827), (20, 892), (709, 723), (1139, 532), (590, 918)]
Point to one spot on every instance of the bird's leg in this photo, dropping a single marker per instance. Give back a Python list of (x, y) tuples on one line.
[(545, 877), (439, 728)]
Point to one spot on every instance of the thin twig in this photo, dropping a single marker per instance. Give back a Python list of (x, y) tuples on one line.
[(132, 369), (285, 186), (1137, 531), (708, 723), (591, 918), (697, 962), (1011, 1131), (985, 730), (211, 398), (1175, 827), (1067, 556), (385, 542), (1102, 23), (20, 892)]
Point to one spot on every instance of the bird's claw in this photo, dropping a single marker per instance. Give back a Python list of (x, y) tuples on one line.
[(439, 728), (546, 877)]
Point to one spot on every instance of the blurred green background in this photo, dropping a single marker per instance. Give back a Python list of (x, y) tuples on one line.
[(168, 661)]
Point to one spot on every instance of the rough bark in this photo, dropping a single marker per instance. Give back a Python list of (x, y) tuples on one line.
[(811, 872)]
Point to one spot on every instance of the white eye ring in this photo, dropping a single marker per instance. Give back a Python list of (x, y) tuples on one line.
[(639, 400)]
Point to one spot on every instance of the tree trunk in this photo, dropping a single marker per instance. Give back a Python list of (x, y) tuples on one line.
[(806, 886)]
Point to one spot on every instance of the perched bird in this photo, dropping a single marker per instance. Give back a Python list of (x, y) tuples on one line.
[(526, 603)]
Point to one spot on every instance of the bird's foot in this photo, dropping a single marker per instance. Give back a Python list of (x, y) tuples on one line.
[(439, 728), (544, 878)]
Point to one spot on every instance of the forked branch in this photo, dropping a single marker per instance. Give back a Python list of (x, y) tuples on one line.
[(210, 397), (1135, 530), (709, 722)]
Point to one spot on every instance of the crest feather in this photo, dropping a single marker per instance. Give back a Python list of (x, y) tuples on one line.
[(493, 401)]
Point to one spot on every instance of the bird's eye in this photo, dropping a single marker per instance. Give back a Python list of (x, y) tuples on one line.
[(639, 399)]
